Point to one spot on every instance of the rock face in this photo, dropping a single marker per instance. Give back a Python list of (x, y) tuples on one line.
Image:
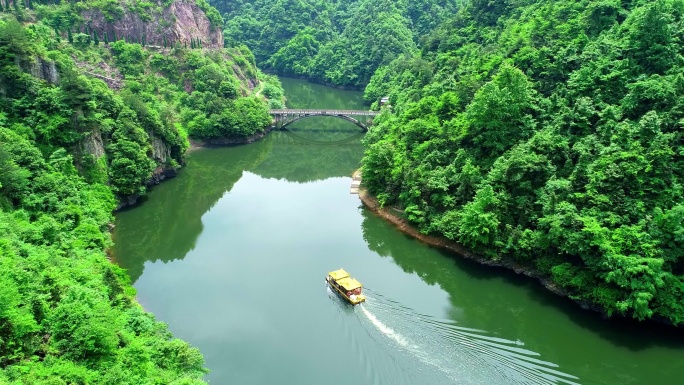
[(180, 22), (93, 145), (46, 70), (161, 153)]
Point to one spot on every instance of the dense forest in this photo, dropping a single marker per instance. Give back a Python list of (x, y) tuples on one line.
[(340, 43), (87, 121), (546, 134)]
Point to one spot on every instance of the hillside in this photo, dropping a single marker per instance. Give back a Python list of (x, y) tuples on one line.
[(547, 134), (332, 42), (95, 106)]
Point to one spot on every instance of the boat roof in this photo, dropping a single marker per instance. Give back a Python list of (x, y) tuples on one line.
[(349, 283), (338, 274)]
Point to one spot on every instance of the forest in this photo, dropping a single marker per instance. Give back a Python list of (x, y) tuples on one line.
[(333, 42), (87, 123), (546, 134)]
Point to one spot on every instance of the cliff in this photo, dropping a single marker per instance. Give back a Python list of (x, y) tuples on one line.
[(182, 21)]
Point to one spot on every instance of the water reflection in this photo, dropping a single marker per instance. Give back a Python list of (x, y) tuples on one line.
[(511, 307), (302, 94), (173, 212), (430, 318), (169, 226), (299, 160)]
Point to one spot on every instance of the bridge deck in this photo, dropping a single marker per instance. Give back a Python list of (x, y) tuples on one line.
[(323, 112)]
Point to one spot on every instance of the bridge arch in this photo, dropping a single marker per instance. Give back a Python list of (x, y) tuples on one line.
[(285, 117)]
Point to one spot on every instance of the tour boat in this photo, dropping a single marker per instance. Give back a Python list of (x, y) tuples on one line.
[(346, 286)]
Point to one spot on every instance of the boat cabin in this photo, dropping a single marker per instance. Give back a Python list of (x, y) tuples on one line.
[(349, 288)]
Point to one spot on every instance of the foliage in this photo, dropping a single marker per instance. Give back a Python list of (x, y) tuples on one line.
[(339, 43), (66, 313), (548, 134), (212, 14), (70, 149)]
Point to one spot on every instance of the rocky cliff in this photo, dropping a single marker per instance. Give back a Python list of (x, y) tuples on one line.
[(180, 22)]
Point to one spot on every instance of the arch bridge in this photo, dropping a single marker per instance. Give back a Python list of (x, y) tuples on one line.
[(285, 117)]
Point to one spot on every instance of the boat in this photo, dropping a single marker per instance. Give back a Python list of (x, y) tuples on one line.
[(346, 286)]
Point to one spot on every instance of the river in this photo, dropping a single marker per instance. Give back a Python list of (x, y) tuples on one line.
[(233, 252)]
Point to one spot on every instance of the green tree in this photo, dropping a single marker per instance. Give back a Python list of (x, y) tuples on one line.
[(500, 113), (567, 167)]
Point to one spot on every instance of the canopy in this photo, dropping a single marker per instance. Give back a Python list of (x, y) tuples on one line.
[(338, 274), (349, 283)]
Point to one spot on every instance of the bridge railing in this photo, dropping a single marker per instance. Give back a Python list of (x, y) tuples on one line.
[(322, 112)]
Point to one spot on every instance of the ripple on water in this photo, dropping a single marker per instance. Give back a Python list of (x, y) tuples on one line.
[(447, 352)]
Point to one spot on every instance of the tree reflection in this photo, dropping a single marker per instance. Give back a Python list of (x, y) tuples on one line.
[(168, 225)]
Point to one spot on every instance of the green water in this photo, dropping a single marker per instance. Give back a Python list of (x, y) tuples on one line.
[(233, 252)]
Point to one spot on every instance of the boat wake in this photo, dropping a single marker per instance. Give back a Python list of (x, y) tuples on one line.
[(457, 354)]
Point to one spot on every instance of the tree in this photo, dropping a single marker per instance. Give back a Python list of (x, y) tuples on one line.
[(500, 113), (567, 166)]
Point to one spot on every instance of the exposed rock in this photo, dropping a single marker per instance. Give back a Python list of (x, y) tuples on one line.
[(46, 70), (161, 173), (161, 154), (127, 201), (103, 71), (160, 151), (180, 22), (112, 83), (92, 144)]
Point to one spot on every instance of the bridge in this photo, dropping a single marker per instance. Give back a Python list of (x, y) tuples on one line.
[(285, 117)]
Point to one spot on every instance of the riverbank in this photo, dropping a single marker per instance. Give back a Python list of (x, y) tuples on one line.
[(160, 174), (395, 216), (196, 144)]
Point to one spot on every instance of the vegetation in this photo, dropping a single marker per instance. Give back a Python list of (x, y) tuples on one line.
[(67, 315), (339, 43), (547, 134), (83, 126)]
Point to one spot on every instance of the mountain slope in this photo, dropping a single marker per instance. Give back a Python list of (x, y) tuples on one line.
[(88, 119), (547, 134)]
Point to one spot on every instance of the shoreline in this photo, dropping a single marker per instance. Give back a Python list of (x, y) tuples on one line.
[(386, 213), (196, 144), (160, 174), (442, 243)]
